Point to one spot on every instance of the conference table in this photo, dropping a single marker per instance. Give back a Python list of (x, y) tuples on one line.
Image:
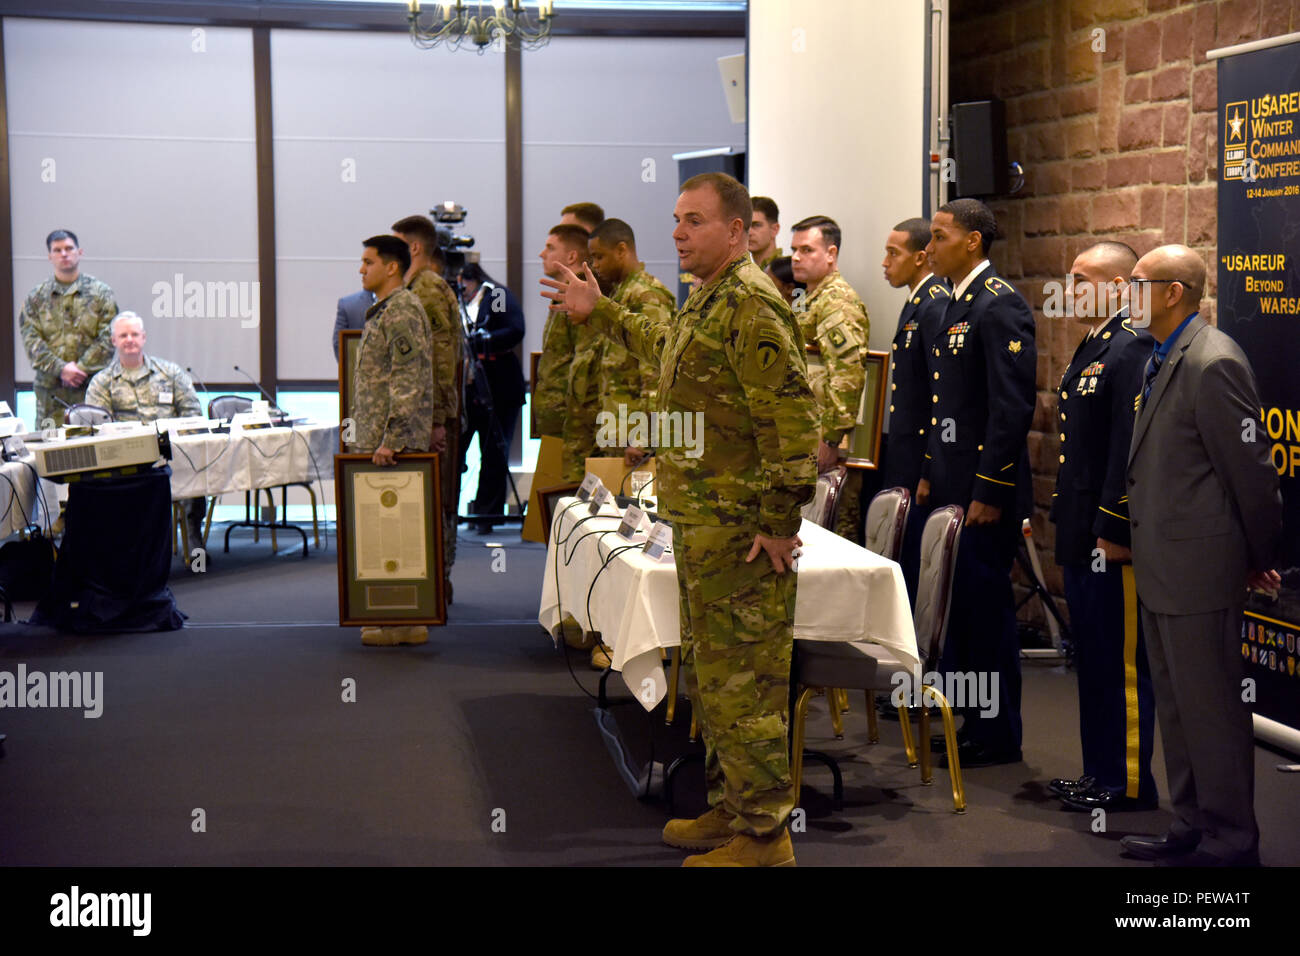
[(209, 465), (845, 593)]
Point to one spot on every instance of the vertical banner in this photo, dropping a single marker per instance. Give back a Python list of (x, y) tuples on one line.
[(1259, 306)]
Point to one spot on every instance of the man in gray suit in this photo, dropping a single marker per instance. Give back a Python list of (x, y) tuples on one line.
[(351, 314), (1206, 518)]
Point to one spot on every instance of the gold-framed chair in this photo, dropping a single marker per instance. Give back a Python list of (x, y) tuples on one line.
[(872, 668)]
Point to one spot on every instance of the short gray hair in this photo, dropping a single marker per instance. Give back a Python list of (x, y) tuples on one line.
[(112, 326)]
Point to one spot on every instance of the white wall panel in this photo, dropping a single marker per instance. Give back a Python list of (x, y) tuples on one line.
[(141, 141)]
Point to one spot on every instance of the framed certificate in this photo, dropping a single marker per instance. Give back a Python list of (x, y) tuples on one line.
[(390, 556), (349, 344), (860, 448), (547, 499)]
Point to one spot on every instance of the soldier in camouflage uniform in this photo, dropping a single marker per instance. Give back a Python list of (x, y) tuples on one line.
[(763, 232), (627, 383), (392, 404), (442, 309), (141, 388), (833, 317), (565, 395), (64, 324), (734, 355)]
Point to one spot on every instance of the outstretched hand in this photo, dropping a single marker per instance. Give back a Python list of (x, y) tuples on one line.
[(573, 295)]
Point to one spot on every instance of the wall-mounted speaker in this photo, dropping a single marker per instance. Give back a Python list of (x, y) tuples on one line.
[(979, 146)]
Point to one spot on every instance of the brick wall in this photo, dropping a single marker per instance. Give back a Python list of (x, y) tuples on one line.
[(1119, 144)]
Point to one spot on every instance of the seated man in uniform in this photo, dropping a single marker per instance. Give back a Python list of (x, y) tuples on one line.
[(140, 388)]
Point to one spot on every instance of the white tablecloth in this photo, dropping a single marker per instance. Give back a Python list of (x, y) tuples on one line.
[(845, 593), (261, 458), (15, 513)]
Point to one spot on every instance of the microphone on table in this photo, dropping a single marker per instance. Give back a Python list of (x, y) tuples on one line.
[(195, 375), (265, 394)]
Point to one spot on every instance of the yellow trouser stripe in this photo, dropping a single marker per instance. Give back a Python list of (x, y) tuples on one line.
[(1131, 729)]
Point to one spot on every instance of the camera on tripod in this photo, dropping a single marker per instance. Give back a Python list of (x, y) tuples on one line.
[(452, 246)]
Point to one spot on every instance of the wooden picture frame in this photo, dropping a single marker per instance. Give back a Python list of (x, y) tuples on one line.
[(860, 448), (547, 498), (405, 587), (349, 344)]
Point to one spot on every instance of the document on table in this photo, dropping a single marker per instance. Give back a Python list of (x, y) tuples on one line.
[(388, 525)]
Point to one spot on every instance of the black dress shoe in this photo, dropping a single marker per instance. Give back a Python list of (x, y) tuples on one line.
[(1149, 847), (1201, 858), (1063, 787), (971, 754), (483, 527), (1098, 797)]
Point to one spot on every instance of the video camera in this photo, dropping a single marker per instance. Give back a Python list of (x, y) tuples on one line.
[(451, 245)]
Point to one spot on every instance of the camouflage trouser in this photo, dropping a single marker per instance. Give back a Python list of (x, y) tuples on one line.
[(737, 623), (848, 519), (450, 479), (48, 409)]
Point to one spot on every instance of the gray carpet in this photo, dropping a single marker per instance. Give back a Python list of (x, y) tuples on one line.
[(477, 748)]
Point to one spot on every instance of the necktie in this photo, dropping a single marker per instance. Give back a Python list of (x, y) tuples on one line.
[(1153, 369)]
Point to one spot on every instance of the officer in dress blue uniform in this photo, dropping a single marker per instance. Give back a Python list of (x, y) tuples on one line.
[(1090, 510), (983, 366), (910, 408)]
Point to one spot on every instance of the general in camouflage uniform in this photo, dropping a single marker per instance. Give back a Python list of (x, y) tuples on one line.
[(624, 379), (734, 356), (837, 321), (442, 309), (64, 322), (392, 390)]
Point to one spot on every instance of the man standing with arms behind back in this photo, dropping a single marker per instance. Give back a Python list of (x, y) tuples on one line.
[(734, 359), (836, 320), (1206, 518), (64, 325), (983, 367)]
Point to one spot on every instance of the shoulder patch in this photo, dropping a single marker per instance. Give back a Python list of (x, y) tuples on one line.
[(402, 344), (765, 359), (938, 290), (997, 286)]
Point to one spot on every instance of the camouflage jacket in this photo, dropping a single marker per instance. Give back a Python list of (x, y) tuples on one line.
[(392, 391), (624, 379), (61, 326), (550, 391), (767, 261), (835, 318), (442, 309), (156, 389), (733, 360)]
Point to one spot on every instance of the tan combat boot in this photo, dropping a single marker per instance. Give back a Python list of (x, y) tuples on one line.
[(746, 850), (600, 658), (709, 831)]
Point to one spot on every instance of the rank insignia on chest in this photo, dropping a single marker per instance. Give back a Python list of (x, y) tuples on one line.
[(1014, 346)]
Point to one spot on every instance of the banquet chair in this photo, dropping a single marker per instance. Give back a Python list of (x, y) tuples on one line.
[(870, 667), (825, 504), (83, 414), (227, 406), (885, 525)]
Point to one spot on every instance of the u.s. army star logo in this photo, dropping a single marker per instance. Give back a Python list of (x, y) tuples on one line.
[(767, 351), (1014, 346)]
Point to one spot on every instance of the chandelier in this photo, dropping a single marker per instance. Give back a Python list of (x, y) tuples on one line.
[(492, 25)]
